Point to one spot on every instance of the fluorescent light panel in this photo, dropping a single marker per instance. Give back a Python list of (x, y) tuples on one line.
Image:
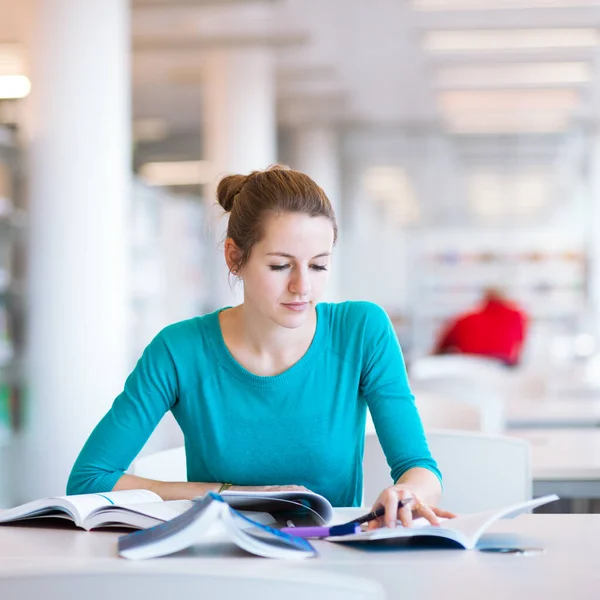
[(166, 174), (492, 194), (490, 123), (507, 100), (442, 5), (517, 74), (14, 86), (509, 39)]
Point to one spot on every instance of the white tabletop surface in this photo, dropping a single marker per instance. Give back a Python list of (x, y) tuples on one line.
[(563, 454), (564, 461), (565, 412), (566, 568)]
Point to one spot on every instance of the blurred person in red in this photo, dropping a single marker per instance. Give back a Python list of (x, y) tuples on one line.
[(495, 330)]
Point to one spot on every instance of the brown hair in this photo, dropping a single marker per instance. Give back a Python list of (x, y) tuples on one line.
[(278, 189)]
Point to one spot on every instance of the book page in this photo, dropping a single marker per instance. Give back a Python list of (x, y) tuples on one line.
[(76, 507), (86, 504), (314, 504), (163, 510), (263, 540), (189, 528), (465, 530)]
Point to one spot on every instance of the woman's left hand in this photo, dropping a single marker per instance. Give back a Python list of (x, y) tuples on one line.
[(416, 507)]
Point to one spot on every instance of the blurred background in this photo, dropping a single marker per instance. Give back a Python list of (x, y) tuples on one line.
[(457, 139)]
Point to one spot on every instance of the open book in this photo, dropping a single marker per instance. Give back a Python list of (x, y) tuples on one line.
[(465, 530), (137, 509), (303, 507), (210, 518)]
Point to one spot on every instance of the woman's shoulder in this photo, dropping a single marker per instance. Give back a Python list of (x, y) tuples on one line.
[(192, 329), (355, 322), (355, 312)]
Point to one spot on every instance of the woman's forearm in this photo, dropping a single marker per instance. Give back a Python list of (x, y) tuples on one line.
[(167, 490), (424, 483)]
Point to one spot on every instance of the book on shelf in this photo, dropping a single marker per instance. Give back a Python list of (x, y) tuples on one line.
[(465, 530), (210, 519), (136, 509)]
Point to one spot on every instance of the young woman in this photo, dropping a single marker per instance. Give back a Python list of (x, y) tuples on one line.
[(273, 393)]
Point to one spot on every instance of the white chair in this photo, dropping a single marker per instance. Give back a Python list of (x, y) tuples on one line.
[(448, 365), (479, 382), (177, 581), (166, 465), (480, 471), (439, 411)]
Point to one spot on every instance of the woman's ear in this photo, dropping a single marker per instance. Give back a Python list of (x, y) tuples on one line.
[(233, 256)]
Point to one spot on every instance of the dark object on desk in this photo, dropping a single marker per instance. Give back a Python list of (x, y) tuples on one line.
[(521, 551)]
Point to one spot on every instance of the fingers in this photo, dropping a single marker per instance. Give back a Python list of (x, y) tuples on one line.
[(405, 514), (391, 509), (427, 512), (446, 514), (389, 498)]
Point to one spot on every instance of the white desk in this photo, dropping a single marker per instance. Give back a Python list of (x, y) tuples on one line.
[(566, 569), (522, 413), (564, 461)]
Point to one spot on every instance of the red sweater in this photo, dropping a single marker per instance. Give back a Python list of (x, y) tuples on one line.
[(496, 331)]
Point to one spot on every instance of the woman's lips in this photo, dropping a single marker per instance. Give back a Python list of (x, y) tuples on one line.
[(296, 306)]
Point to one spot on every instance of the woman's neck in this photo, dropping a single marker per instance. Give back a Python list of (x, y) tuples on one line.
[(262, 336), (262, 346)]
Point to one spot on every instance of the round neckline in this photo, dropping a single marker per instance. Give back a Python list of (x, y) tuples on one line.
[(228, 361)]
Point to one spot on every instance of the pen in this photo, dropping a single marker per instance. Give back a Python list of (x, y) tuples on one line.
[(319, 532), (374, 514)]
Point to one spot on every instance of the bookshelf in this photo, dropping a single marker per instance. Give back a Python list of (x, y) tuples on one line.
[(12, 306), (12, 260)]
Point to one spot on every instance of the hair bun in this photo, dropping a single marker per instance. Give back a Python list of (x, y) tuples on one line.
[(278, 167), (229, 187)]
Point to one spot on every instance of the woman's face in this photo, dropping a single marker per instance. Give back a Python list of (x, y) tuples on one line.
[(288, 269)]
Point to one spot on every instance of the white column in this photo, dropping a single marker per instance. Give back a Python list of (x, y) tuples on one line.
[(78, 129), (593, 242), (316, 153), (239, 124)]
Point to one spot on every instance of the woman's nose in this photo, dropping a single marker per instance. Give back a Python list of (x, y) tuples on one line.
[(300, 282)]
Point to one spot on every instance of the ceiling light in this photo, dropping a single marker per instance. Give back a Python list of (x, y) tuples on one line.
[(509, 39), (507, 100), (174, 173), (492, 194), (14, 86), (440, 5), (519, 74)]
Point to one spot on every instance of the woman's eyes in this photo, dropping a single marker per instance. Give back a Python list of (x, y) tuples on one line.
[(283, 267)]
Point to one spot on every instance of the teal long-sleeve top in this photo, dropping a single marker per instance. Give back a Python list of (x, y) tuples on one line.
[(304, 426)]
